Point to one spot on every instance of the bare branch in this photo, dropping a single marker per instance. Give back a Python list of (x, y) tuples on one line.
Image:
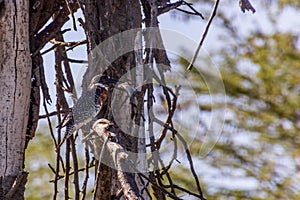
[(213, 14), (69, 5), (157, 186), (68, 44), (70, 173), (53, 28), (187, 152), (75, 167), (67, 174), (44, 86), (169, 7), (193, 9), (54, 113), (86, 172), (51, 168), (48, 50), (77, 61)]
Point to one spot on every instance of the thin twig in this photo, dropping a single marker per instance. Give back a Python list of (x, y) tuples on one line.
[(68, 72), (57, 168), (48, 50), (189, 157), (76, 45), (67, 44), (49, 122), (58, 159), (44, 86), (193, 9), (159, 179), (72, 14), (154, 184), (169, 117), (169, 7), (53, 28), (96, 186), (75, 166), (71, 173), (67, 175), (52, 169), (145, 187), (187, 12), (86, 171), (213, 14), (54, 113), (77, 61), (174, 186), (170, 182)]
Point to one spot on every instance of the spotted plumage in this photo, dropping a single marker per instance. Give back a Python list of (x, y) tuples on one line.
[(88, 105)]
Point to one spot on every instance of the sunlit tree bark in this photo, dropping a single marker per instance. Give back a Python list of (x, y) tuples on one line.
[(15, 87)]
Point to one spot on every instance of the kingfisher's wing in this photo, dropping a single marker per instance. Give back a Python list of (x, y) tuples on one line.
[(87, 106), (85, 109)]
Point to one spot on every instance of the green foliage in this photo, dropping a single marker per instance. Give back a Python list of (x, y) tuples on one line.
[(260, 143), (292, 3), (274, 89), (261, 140), (38, 154)]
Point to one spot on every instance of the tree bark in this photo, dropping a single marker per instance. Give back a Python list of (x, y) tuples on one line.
[(104, 19), (15, 86)]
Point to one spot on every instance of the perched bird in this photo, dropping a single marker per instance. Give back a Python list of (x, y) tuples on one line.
[(88, 105), (103, 130)]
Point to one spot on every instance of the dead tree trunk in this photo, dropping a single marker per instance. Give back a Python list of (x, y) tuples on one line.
[(15, 86), (104, 19)]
